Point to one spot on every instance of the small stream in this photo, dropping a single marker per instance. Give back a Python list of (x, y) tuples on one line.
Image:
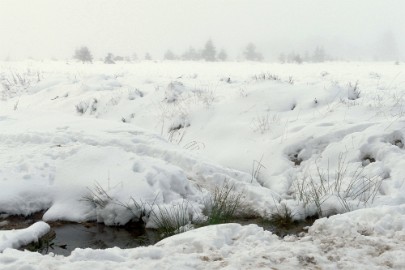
[(64, 237)]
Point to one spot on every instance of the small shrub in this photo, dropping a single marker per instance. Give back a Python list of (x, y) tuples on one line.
[(93, 108), (263, 123), (15, 83), (267, 77), (173, 91), (353, 91), (134, 93), (205, 96), (82, 107)]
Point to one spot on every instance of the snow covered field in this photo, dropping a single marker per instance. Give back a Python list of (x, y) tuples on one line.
[(321, 139)]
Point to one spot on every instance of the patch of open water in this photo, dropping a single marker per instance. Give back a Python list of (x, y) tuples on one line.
[(64, 237)]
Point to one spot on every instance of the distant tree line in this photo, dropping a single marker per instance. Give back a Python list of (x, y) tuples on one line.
[(319, 55), (209, 53)]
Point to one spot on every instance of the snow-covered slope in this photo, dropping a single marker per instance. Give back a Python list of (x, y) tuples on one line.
[(169, 132)]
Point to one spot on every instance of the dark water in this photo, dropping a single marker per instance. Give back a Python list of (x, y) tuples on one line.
[(63, 239)]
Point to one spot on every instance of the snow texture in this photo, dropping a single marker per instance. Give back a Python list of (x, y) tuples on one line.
[(162, 133)]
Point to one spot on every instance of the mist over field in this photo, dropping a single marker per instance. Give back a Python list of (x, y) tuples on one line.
[(347, 30)]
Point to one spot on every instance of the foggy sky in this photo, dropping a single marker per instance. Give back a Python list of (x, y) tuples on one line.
[(357, 29)]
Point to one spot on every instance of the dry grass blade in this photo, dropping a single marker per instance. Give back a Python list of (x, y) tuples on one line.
[(350, 190)]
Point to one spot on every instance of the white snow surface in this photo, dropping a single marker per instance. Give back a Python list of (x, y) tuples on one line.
[(168, 132)]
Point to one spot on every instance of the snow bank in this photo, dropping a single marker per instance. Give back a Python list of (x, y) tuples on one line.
[(59, 162), (21, 237)]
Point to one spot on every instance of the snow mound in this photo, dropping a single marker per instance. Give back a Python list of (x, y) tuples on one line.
[(21, 237), (63, 165)]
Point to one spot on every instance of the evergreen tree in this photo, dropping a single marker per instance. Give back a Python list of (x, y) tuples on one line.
[(222, 55), (282, 58), (319, 55), (251, 54), (209, 52), (109, 59), (169, 55), (148, 56), (134, 57), (191, 54), (118, 58)]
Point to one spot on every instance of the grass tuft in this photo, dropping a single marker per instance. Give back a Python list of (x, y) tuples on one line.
[(282, 218), (171, 220), (351, 190), (223, 205)]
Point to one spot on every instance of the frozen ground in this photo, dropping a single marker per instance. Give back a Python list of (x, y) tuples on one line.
[(169, 132)]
